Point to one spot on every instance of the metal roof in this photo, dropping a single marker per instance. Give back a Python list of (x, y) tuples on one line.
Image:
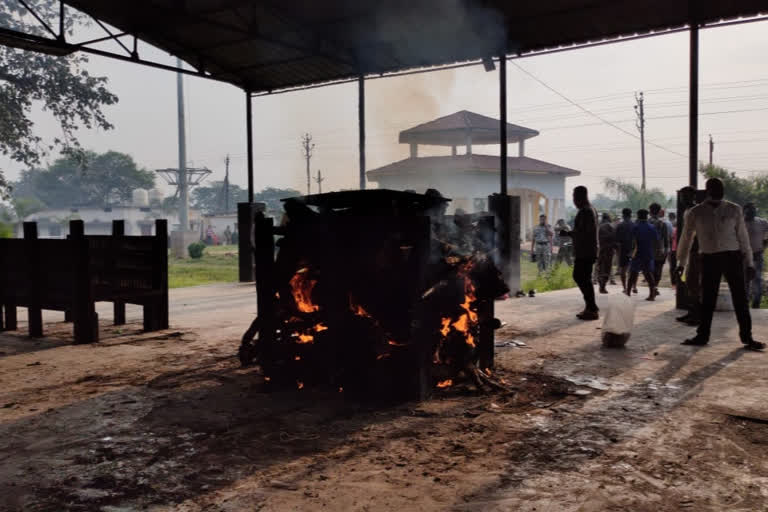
[(270, 45), (473, 163), (455, 129)]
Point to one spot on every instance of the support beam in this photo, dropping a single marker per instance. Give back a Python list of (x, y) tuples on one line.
[(183, 181), (249, 142), (361, 125), (693, 108), (503, 120)]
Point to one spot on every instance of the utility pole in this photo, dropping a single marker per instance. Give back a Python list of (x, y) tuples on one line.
[(183, 188), (307, 147), (640, 123), (226, 184), (319, 181), (711, 149)]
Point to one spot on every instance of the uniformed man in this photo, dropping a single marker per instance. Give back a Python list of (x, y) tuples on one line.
[(757, 228), (564, 243), (541, 243)]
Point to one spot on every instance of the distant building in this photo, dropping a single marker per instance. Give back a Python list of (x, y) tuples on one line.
[(469, 178), (139, 217)]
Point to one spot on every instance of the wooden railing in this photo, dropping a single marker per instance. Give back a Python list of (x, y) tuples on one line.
[(72, 274)]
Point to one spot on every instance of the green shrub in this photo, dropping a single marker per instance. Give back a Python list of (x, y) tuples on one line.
[(6, 231), (559, 277), (196, 250)]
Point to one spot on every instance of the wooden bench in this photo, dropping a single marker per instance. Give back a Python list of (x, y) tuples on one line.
[(72, 274)]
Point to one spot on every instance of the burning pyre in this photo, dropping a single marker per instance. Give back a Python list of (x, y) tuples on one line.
[(377, 298)]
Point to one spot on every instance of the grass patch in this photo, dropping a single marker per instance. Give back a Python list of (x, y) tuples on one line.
[(218, 265), (559, 277)]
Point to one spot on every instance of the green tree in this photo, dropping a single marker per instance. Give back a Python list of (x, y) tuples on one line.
[(210, 199), (752, 189), (23, 206), (272, 197), (93, 180), (61, 86), (629, 195)]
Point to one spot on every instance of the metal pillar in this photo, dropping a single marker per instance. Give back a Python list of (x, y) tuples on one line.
[(183, 185), (361, 125), (693, 108), (249, 142), (503, 122)]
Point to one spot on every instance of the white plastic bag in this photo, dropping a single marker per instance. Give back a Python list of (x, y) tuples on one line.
[(618, 320)]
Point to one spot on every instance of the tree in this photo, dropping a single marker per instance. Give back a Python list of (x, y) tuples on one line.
[(210, 199), (753, 189), (94, 180), (23, 206), (60, 85), (629, 195)]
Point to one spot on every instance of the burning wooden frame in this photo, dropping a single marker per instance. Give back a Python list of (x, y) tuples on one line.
[(374, 293)]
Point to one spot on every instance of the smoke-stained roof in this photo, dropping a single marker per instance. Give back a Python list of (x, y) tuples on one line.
[(454, 129), (268, 45), (468, 164)]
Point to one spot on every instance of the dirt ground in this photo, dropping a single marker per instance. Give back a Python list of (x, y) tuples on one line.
[(169, 421)]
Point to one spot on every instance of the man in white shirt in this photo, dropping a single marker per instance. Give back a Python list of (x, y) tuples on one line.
[(757, 228), (725, 251)]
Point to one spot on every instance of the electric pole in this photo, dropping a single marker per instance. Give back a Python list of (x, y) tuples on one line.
[(226, 184), (183, 186), (711, 149), (319, 181), (640, 123), (308, 147)]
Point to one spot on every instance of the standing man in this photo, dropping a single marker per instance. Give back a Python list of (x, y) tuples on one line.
[(725, 250), (541, 244), (672, 226), (661, 248), (645, 238), (624, 244), (564, 243), (585, 247), (757, 228), (606, 236)]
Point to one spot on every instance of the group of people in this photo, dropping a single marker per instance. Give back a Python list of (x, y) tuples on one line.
[(544, 238), (717, 239)]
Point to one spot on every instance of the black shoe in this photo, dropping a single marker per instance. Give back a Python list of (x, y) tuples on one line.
[(683, 318), (692, 321), (603, 290), (696, 340), (588, 315), (754, 345)]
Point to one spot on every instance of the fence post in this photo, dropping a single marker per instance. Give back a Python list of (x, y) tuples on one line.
[(32, 249), (118, 306), (156, 312), (83, 308)]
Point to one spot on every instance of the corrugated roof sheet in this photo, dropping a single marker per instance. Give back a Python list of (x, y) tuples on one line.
[(468, 164), (267, 46)]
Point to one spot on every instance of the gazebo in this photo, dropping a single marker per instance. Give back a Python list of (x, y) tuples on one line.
[(467, 177)]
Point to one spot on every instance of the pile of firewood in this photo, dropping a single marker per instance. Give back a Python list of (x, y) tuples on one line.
[(385, 299)]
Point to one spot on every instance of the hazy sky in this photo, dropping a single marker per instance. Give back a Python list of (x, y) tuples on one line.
[(734, 105)]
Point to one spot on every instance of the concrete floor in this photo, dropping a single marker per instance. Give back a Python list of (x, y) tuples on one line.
[(653, 427)]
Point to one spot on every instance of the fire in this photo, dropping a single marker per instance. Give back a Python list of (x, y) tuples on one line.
[(320, 327), (396, 344), (297, 358), (382, 356), (357, 309), (301, 289), (299, 384), (446, 326), (445, 383), (305, 338)]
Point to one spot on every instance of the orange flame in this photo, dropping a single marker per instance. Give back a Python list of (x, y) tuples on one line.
[(320, 327), (299, 384), (445, 383), (301, 289), (297, 358), (382, 356), (357, 309), (396, 344), (305, 338), (267, 379)]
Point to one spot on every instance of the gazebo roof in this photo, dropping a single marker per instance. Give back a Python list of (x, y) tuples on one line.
[(469, 164), (454, 129)]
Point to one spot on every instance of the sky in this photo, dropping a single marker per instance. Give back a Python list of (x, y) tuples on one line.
[(602, 80)]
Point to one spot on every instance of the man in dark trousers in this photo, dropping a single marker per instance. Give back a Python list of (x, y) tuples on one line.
[(585, 249), (725, 251), (645, 238), (606, 236), (661, 247), (624, 244)]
